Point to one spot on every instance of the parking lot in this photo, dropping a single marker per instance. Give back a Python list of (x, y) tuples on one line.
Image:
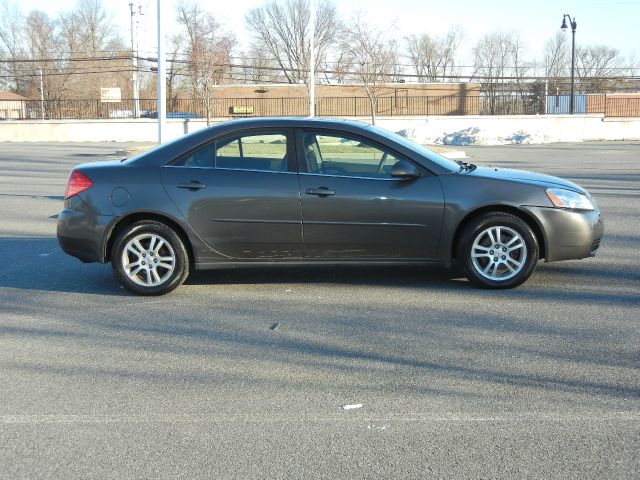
[(245, 373)]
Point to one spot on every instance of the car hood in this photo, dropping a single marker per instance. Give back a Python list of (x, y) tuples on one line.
[(525, 176)]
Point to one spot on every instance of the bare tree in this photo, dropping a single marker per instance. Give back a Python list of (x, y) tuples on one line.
[(597, 66), (633, 63), (434, 57), (89, 29), (281, 28), (88, 32), (174, 70), (496, 57), (208, 50), (521, 66), (11, 45), (258, 67), (341, 67), (557, 61), (44, 47), (373, 57)]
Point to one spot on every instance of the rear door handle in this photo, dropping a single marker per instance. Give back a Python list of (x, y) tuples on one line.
[(320, 191), (192, 185)]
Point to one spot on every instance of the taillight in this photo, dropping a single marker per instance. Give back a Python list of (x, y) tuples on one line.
[(78, 182)]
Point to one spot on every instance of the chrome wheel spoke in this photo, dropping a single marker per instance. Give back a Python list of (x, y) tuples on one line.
[(515, 247), (498, 235), (493, 269), (135, 272), (480, 252), (513, 239), (514, 261), (485, 270), (511, 269), (152, 242), (136, 243), (132, 264), (157, 248)]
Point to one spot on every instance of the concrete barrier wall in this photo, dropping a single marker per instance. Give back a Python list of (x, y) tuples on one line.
[(124, 130), (445, 130), (502, 130)]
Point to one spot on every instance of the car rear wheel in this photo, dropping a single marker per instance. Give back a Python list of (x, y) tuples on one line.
[(149, 258), (498, 250)]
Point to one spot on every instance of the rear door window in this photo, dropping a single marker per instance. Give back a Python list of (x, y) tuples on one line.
[(253, 152), (263, 152)]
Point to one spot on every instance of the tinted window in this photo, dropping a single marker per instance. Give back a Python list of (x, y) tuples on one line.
[(203, 157), (249, 152), (253, 152), (425, 152), (337, 155)]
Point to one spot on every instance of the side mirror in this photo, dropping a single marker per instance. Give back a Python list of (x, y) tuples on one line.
[(405, 170)]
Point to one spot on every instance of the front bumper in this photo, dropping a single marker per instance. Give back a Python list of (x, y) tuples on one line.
[(81, 231), (569, 234)]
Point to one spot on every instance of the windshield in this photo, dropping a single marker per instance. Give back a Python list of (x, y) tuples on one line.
[(425, 152)]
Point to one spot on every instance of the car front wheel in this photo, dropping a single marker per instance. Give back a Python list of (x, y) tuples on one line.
[(149, 258), (498, 250)]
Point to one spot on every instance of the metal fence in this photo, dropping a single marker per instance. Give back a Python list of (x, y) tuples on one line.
[(326, 106)]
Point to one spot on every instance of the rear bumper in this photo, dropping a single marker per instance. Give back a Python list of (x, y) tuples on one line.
[(81, 231), (569, 234)]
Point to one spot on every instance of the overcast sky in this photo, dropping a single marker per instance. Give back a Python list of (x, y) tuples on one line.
[(615, 23)]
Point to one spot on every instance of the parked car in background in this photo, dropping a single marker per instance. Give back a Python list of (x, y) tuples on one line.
[(303, 191), (171, 115), (120, 114)]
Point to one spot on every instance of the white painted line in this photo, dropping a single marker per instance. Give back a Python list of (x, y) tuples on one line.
[(352, 407)]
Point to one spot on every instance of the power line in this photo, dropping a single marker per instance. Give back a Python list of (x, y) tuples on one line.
[(36, 75), (127, 56), (69, 59)]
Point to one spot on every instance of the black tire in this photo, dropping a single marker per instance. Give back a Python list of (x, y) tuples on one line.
[(504, 266), (170, 260)]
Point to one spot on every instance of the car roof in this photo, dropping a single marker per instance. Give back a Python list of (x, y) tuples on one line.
[(291, 122)]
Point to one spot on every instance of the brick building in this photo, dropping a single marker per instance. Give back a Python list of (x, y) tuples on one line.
[(12, 106), (348, 100)]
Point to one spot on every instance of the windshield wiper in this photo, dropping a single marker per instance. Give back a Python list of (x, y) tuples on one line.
[(464, 166)]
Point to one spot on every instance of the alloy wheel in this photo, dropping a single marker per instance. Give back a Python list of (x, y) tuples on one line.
[(498, 253), (148, 260)]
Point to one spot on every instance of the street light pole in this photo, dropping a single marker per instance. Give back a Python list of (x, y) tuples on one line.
[(574, 25)]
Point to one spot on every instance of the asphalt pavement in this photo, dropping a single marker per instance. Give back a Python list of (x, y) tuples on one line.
[(245, 373)]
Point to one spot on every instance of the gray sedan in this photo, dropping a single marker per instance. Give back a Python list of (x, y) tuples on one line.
[(308, 192)]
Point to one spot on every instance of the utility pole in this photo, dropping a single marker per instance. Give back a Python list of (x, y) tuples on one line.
[(134, 58), (42, 114), (312, 59), (162, 82)]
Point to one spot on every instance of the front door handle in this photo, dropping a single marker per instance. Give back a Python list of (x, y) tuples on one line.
[(192, 185), (320, 191)]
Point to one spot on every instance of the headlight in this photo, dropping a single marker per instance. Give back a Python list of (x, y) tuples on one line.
[(562, 198)]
